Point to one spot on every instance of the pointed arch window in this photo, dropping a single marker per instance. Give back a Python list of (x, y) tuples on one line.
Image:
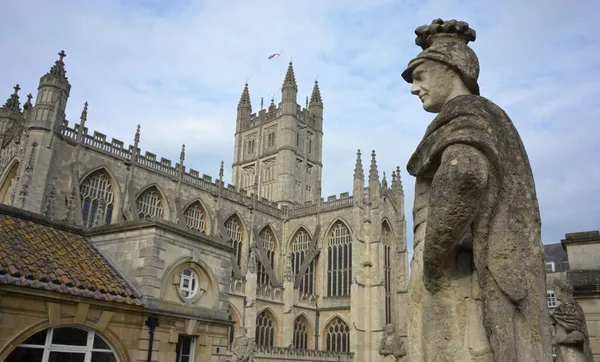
[(339, 261), (300, 333), (233, 230), (300, 249), (386, 238), (337, 336), (195, 217), (267, 240), (10, 182), (150, 204), (96, 199), (265, 330)]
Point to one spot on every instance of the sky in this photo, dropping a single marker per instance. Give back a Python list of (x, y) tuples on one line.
[(178, 69)]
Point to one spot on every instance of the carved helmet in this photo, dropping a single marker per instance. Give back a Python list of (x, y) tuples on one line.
[(446, 42)]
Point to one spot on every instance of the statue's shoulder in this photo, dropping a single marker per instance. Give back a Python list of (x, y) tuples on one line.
[(470, 104)]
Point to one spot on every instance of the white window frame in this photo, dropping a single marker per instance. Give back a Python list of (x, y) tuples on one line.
[(552, 266), (551, 298), (189, 291), (48, 347), (192, 348)]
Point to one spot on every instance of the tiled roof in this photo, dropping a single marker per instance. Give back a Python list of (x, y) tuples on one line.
[(39, 255)]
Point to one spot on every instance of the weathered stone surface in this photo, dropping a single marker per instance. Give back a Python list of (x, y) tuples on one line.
[(477, 288), (570, 333)]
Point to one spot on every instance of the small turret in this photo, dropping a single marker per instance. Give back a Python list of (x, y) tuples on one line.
[(359, 180), (373, 179), (289, 92), (53, 93), (397, 192)]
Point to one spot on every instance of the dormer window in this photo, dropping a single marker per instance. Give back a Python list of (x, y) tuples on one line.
[(550, 267), (188, 283)]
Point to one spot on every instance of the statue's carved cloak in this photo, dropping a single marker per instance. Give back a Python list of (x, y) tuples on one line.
[(507, 250), (506, 233)]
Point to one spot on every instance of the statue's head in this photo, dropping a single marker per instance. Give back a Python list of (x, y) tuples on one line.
[(563, 290), (446, 67), (388, 328)]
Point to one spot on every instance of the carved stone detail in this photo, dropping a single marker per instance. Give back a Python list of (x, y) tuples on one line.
[(243, 347), (391, 343)]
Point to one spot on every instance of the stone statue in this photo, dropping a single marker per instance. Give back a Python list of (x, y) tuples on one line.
[(243, 347), (392, 345), (477, 286), (571, 338)]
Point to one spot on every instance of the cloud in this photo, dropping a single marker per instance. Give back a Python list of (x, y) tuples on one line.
[(178, 68)]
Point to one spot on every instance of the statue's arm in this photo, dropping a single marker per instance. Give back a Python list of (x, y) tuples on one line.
[(457, 189)]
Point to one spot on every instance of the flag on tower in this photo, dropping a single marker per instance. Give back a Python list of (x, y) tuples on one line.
[(274, 55)]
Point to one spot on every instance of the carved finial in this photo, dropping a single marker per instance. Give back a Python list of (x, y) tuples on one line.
[(359, 173), (383, 182), (182, 154), (28, 104), (289, 270), (58, 69), (84, 112), (373, 173), (440, 30), (306, 103), (261, 103), (397, 181), (12, 103), (221, 169), (137, 135)]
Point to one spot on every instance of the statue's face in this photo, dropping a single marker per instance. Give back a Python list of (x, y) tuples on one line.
[(433, 83)]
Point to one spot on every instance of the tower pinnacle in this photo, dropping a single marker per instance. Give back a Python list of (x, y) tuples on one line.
[(315, 98), (359, 173), (58, 69), (245, 97), (290, 78)]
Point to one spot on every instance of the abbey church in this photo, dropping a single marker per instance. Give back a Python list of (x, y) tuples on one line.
[(151, 259)]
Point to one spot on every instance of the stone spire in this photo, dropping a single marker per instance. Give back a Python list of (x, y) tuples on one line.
[(245, 98), (289, 92), (83, 120), (384, 184), (12, 103), (315, 98), (290, 78), (397, 182), (373, 179), (136, 142), (359, 180), (244, 109)]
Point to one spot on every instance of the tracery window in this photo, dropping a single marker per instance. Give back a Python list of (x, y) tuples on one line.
[(268, 243), (9, 183), (64, 344), (339, 261), (386, 238), (96, 196), (265, 330), (337, 336), (233, 229), (551, 298), (300, 248), (150, 204), (300, 333), (195, 218)]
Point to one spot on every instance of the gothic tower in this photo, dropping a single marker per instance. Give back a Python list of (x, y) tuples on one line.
[(278, 152)]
